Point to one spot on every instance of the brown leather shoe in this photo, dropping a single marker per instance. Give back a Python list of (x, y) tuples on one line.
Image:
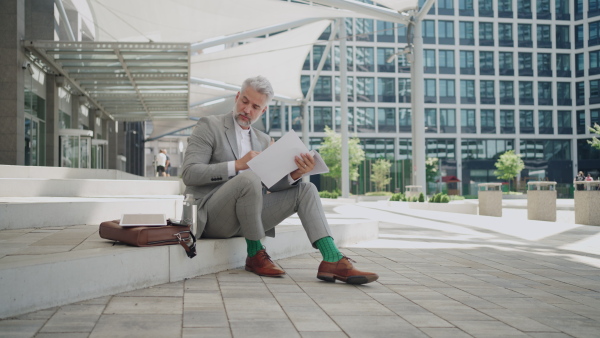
[(262, 265), (344, 271)]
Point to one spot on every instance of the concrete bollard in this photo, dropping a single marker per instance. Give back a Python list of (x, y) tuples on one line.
[(587, 203), (490, 199), (541, 201)]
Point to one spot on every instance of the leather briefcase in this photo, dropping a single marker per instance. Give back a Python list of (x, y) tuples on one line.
[(172, 233)]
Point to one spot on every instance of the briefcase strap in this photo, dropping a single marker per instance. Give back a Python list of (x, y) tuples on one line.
[(190, 250)]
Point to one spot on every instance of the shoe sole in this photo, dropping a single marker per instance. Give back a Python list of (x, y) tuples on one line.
[(264, 275), (350, 280)]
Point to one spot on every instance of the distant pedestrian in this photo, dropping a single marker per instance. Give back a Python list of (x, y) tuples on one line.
[(589, 178), (161, 163), (580, 178)]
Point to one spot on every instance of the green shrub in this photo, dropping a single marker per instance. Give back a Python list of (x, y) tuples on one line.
[(398, 197), (421, 197), (328, 194), (445, 199), (456, 197), (379, 193)]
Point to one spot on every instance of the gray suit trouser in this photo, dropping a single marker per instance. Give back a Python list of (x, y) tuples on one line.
[(239, 208)]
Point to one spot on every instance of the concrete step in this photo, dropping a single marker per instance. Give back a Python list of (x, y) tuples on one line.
[(42, 212), (19, 171), (53, 187), (43, 268)]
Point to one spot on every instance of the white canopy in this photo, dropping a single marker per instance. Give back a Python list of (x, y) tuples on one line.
[(399, 5)]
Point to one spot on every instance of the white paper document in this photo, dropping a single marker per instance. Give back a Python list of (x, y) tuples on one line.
[(275, 162)]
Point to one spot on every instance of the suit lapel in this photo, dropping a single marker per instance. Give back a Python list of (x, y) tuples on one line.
[(256, 145), (230, 134)]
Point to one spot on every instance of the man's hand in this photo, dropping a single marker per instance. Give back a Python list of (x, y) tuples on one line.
[(242, 163), (305, 163)]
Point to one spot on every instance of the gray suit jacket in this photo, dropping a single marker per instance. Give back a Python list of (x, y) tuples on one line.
[(214, 143)]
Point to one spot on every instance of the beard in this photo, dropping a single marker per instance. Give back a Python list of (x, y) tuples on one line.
[(242, 121)]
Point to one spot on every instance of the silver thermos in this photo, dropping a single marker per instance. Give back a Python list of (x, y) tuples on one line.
[(188, 215)]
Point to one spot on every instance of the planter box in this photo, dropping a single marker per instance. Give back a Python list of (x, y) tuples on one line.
[(458, 208)]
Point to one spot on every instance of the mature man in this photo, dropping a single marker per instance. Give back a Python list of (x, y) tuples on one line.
[(230, 198)]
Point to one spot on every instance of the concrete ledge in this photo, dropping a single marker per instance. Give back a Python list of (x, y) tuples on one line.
[(44, 187), (23, 213), (33, 282), (454, 207), (19, 171)]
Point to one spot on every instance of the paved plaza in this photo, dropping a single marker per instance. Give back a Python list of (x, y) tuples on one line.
[(441, 275)]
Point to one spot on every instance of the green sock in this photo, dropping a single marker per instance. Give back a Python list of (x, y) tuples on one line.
[(253, 247), (328, 249)]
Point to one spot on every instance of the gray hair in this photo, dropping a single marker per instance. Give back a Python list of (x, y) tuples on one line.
[(261, 85)]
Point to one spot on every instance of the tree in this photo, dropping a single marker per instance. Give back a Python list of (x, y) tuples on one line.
[(595, 142), (380, 174), (509, 165), (431, 168), (331, 152)]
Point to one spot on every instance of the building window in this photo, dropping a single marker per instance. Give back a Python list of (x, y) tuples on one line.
[(382, 65), (467, 92), (338, 119), (594, 33), (431, 120), (322, 118), (544, 63), (563, 39), (365, 59), (580, 93), (365, 89), (447, 91), (297, 118), (505, 63), (507, 92), (505, 35), (385, 31), (445, 7), (486, 92), (581, 126), (545, 150), (404, 120), (579, 36), (524, 9), (447, 121), (486, 34), (467, 62), (594, 117), (404, 149), (317, 54), (349, 88), (386, 89), (594, 91), (594, 58), (562, 10), (507, 121), (543, 10), (486, 8), (488, 121), (403, 90), (386, 120), (467, 121), (564, 122), (323, 89), (466, 33), (364, 29), (545, 125), (429, 61), (349, 58), (525, 93), (430, 92), (579, 65), (403, 64), (578, 9), (525, 64), (563, 94), (525, 37), (446, 32), (486, 63), (428, 31), (543, 36), (526, 121), (563, 65), (446, 62), (593, 8), (505, 9), (465, 8), (365, 120), (440, 148)]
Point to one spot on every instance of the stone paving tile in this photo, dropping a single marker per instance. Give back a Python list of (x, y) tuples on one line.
[(312, 318), (20, 327), (376, 326), (120, 305), (484, 328), (445, 332), (259, 327), (311, 334), (74, 318), (146, 325), (211, 332)]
